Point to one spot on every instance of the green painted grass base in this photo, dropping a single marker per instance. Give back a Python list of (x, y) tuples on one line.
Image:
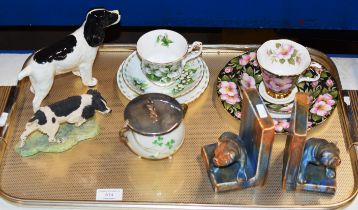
[(69, 133)]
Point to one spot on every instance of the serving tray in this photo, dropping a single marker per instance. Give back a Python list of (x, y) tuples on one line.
[(72, 178)]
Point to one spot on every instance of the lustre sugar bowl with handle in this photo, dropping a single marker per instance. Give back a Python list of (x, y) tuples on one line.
[(153, 125), (163, 55)]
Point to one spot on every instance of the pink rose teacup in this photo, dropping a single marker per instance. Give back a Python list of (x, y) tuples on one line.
[(282, 63)]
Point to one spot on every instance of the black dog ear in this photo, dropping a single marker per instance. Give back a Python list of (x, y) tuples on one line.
[(93, 92), (93, 31)]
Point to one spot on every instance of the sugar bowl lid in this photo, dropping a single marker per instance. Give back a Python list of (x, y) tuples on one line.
[(153, 114)]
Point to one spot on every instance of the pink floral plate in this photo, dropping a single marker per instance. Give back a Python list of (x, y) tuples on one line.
[(243, 72)]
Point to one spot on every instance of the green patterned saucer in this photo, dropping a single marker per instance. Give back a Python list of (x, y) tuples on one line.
[(135, 79), (243, 72)]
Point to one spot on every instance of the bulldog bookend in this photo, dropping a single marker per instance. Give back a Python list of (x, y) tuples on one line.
[(241, 161), (308, 165)]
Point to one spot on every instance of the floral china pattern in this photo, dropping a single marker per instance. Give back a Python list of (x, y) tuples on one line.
[(140, 84), (229, 92), (186, 78), (164, 40), (283, 53), (243, 72), (164, 74), (278, 83), (184, 97), (281, 125)]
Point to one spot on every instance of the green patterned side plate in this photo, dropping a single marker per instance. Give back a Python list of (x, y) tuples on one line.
[(135, 79)]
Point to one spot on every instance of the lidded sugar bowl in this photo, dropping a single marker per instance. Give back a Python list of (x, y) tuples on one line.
[(153, 126)]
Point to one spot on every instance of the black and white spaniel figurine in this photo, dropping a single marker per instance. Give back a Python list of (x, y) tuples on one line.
[(75, 53), (75, 109)]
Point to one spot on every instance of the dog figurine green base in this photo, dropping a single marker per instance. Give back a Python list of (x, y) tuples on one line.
[(69, 133)]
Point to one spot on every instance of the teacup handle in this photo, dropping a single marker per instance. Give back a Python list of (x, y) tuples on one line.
[(193, 52), (185, 108), (122, 132), (309, 79)]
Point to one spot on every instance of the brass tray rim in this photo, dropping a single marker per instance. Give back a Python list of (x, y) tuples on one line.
[(218, 48)]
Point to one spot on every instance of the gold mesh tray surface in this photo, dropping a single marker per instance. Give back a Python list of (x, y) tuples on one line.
[(72, 177)]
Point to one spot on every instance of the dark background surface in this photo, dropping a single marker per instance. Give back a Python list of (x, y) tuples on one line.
[(303, 14), (330, 25), (327, 41)]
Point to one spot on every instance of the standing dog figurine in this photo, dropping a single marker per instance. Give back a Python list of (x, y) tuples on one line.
[(75, 109), (75, 53)]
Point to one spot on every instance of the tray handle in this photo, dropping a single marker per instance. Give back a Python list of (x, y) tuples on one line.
[(6, 112), (349, 102)]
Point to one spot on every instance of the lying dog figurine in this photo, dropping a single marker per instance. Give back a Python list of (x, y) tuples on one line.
[(320, 152), (74, 53), (229, 150), (75, 109)]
